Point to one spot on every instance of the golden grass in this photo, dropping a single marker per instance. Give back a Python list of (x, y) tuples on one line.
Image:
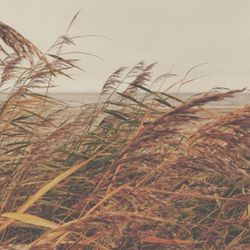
[(139, 169)]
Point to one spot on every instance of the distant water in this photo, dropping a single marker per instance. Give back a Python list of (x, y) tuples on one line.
[(75, 99)]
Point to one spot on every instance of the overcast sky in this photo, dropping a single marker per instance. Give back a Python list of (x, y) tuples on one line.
[(182, 33)]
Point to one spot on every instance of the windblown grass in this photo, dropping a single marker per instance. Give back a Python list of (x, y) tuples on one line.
[(139, 169)]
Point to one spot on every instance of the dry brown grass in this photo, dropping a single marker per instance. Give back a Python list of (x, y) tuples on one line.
[(140, 169)]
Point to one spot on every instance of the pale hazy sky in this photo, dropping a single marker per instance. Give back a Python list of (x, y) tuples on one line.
[(179, 32)]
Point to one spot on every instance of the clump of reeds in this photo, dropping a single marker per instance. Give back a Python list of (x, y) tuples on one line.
[(140, 169)]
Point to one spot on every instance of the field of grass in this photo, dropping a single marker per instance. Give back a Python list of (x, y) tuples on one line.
[(139, 169)]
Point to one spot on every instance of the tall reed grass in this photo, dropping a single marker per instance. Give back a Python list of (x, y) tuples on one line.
[(139, 169)]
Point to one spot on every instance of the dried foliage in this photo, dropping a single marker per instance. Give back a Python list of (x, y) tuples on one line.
[(142, 169)]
